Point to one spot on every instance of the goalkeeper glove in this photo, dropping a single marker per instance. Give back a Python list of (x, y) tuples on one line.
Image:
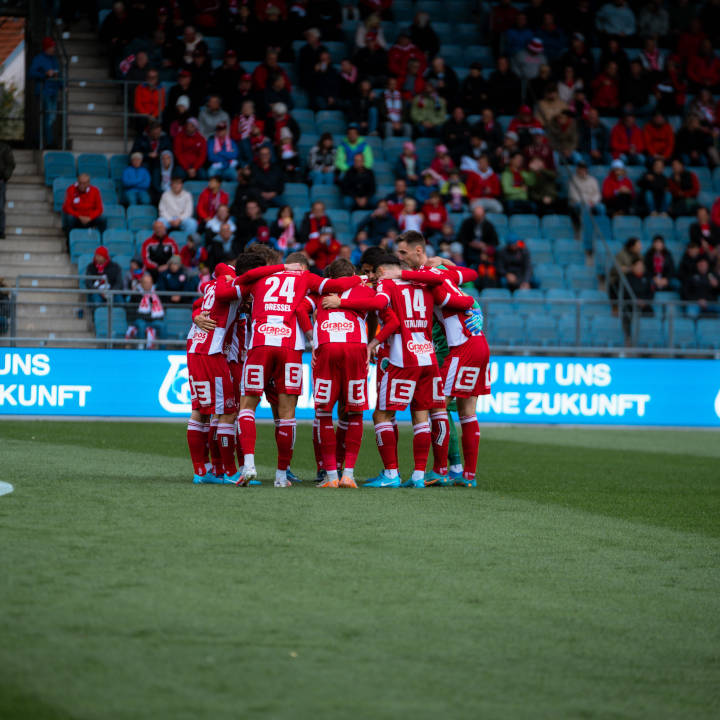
[(474, 321)]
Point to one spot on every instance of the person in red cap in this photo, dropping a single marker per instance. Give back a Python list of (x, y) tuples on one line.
[(83, 206), (103, 274), (527, 62), (45, 71)]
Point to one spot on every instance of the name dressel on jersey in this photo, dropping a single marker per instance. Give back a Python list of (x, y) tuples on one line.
[(278, 307)]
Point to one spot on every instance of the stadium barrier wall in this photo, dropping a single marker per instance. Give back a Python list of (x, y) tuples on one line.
[(556, 390)]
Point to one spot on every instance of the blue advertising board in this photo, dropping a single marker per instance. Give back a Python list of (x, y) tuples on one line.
[(576, 391)]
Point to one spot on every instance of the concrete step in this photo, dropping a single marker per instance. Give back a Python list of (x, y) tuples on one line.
[(71, 329), (110, 124), (27, 193), (12, 245), (34, 259), (44, 282), (83, 58), (78, 71), (32, 232), (28, 179), (25, 168), (90, 94), (103, 107), (78, 31), (41, 312), (98, 143), (38, 296), (25, 156), (46, 218)]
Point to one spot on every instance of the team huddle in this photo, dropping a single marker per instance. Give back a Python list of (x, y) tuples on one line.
[(249, 332)]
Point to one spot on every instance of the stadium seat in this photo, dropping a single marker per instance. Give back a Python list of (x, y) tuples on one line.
[(58, 164), (568, 252), (94, 164), (118, 163), (682, 229), (215, 45), (82, 241), (453, 55), (560, 301), (59, 188), (659, 225), (141, 216), (177, 322), (119, 241), (626, 226), (557, 226), (296, 194), (392, 147), (681, 333), (82, 262), (115, 217), (605, 332), (337, 50), (568, 330), (466, 33), (708, 333), (541, 330), (506, 329), (706, 198), (329, 194), (529, 302), (650, 332), (595, 302), (102, 316), (478, 53), (525, 226), (499, 220), (580, 277), (704, 177), (340, 220), (195, 186), (549, 276), (123, 261), (496, 294), (332, 121)]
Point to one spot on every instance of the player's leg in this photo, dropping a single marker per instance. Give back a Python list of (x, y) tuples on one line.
[(326, 432), (215, 457), (440, 437), (271, 397), (455, 467), (248, 437), (317, 450), (353, 440), (197, 440), (226, 443), (342, 427), (285, 436), (421, 446), (470, 439)]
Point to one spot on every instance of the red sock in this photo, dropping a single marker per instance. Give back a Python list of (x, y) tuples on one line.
[(340, 445), (317, 445), (440, 432), (217, 462), (421, 445), (246, 423), (387, 445), (353, 439), (226, 442), (470, 444), (285, 439), (238, 445), (197, 433), (327, 439), (396, 431)]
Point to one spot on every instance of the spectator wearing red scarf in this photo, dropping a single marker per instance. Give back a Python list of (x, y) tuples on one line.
[(659, 137), (400, 54), (617, 190), (659, 266), (103, 274), (313, 222), (483, 186), (279, 119), (211, 198), (323, 249)]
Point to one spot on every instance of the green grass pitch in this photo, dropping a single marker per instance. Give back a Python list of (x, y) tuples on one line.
[(580, 580)]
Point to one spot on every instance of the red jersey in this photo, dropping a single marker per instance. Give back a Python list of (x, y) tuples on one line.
[(453, 320), (340, 325), (276, 299)]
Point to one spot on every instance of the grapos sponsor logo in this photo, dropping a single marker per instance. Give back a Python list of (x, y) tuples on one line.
[(341, 326), (419, 348), (275, 330), (174, 393)]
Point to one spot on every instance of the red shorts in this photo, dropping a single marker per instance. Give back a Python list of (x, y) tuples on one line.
[(340, 373), (236, 374), (419, 387), (211, 384), (466, 370), (281, 366), (271, 394)]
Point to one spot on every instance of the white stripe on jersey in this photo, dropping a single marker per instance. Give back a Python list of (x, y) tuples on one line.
[(450, 380), (219, 397)]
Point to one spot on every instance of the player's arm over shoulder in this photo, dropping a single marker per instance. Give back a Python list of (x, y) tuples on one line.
[(447, 296)]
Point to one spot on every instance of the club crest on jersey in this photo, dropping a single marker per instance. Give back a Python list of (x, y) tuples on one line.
[(420, 348), (174, 393), (275, 330), (338, 326)]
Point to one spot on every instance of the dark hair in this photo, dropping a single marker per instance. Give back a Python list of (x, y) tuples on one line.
[(266, 252), (371, 256), (411, 237), (248, 261), (340, 267), (387, 260), (630, 242), (298, 257)]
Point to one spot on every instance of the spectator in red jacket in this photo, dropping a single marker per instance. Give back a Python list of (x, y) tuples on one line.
[(434, 214), (617, 191), (704, 69), (606, 90), (323, 249), (626, 141), (190, 150), (400, 54), (83, 206), (684, 187), (211, 198), (523, 123), (659, 137), (265, 70), (149, 99), (483, 186), (157, 250)]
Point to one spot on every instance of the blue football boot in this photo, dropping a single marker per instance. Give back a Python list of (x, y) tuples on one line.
[(383, 481), (292, 477), (433, 478), (231, 479)]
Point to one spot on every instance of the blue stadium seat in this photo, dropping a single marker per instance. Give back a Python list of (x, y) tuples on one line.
[(94, 164), (568, 332), (496, 294), (568, 252), (146, 212), (706, 198), (605, 332), (626, 226), (580, 277), (59, 188), (118, 163), (550, 276), (529, 302), (114, 212), (599, 172), (541, 330), (560, 301), (506, 329), (478, 53), (499, 220), (708, 333), (525, 226), (308, 128), (123, 261), (659, 225), (332, 121), (356, 217), (445, 32), (216, 46), (193, 186), (329, 194), (453, 55), (296, 194), (119, 322), (340, 220), (338, 51), (466, 33), (392, 147), (704, 177), (119, 241), (302, 113), (682, 228), (57, 164), (683, 333), (650, 332), (716, 179), (557, 226), (82, 262), (83, 241), (177, 322)]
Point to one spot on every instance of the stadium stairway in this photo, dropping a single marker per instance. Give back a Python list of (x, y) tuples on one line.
[(34, 245), (92, 133)]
